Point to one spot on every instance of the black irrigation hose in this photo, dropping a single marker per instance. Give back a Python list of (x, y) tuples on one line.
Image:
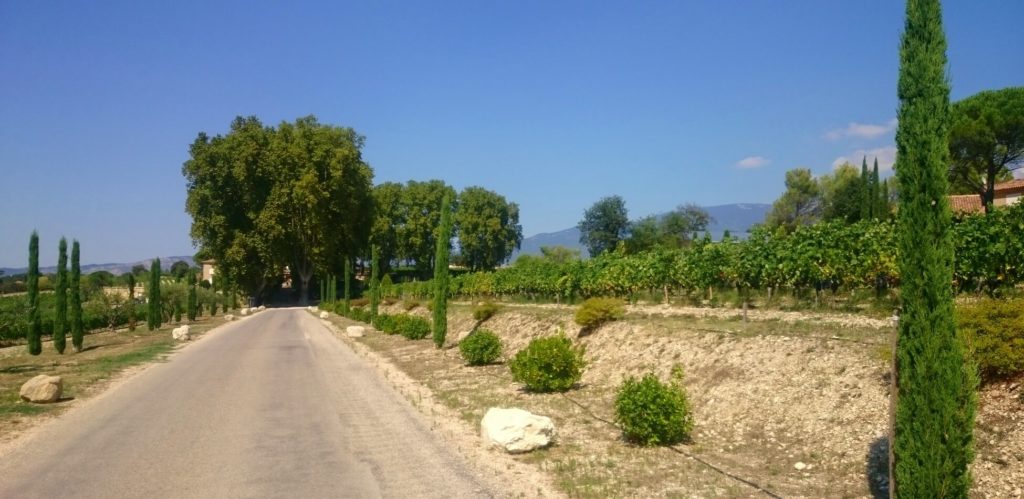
[(682, 452)]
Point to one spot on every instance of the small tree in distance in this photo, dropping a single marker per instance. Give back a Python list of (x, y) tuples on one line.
[(35, 342), (155, 316), (77, 328), (441, 258), (60, 319)]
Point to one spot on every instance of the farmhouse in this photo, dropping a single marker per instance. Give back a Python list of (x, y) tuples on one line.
[(1006, 194), (209, 268)]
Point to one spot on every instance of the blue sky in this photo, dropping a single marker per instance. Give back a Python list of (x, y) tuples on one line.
[(553, 104)]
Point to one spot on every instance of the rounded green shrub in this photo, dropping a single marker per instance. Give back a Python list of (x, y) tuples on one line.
[(385, 323), (994, 329), (597, 311), (411, 327), (485, 310), (654, 413), (550, 364), (481, 347)]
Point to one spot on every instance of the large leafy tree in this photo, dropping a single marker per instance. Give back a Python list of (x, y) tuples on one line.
[(842, 194), (420, 219), (488, 228), (935, 381), (388, 219), (604, 224), (800, 204), (679, 225), (262, 198), (986, 141)]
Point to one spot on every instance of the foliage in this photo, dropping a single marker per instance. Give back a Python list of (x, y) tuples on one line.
[(548, 364), (35, 340), (654, 413), (441, 258), (800, 204), (936, 383), (131, 302), (480, 348), (485, 310), (990, 250), (374, 281), (262, 198), (995, 331), (488, 227), (154, 317), (409, 326), (604, 224), (193, 300), (986, 140), (675, 229), (843, 194), (60, 322), (597, 311), (77, 319)]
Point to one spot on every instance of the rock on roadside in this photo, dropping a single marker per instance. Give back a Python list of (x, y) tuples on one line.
[(325, 315), (355, 331), (229, 317), (42, 389), (516, 430), (180, 333)]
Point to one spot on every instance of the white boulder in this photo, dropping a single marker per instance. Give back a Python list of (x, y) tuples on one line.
[(42, 389), (229, 317), (244, 312), (324, 315), (516, 430), (180, 333), (262, 308), (355, 331)]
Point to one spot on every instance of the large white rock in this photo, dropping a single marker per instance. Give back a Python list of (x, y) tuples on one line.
[(244, 312), (180, 333), (355, 331), (42, 389), (262, 308), (229, 317), (324, 315), (516, 430)]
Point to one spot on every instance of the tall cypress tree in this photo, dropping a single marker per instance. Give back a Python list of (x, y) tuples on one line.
[(874, 192), (35, 333), (348, 281), (883, 201), (60, 318), (77, 328), (155, 312), (193, 301), (865, 188), (374, 280), (441, 257), (935, 380), (131, 301)]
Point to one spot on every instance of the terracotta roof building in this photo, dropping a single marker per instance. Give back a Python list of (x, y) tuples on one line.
[(1006, 194)]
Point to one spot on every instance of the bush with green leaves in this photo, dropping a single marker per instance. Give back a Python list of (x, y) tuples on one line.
[(597, 311), (412, 327), (994, 329), (654, 413), (485, 310), (548, 364), (385, 323), (480, 348)]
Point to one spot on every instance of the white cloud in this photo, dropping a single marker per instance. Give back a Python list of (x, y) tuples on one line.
[(751, 162), (861, 130), (886, 158)]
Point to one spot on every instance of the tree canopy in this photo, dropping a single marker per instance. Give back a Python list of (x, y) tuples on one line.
[(800, 204), (488, 228), (986, 141), (262, 198), (604, 224)]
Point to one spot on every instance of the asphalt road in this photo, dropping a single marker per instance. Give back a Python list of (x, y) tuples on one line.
[(270, 406)]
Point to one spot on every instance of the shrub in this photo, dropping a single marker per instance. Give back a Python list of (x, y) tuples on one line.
[(410, 305), (360, 302), (995, 331), (654, 413), (485, 310), (385, 323), (548, 364), (597, 311), (481, 347), (412, 327)]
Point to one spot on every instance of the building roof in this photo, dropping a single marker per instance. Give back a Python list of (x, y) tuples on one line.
[(1016, 184), (966, 203)]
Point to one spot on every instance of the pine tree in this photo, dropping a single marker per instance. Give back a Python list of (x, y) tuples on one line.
[(441, 257), (348, 281), (131, 301), (374, 280), (935, 379), (865, 189), (77, 328), (35, 340), (60, 317), (155, 312)]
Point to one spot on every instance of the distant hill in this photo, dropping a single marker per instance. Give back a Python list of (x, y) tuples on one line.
[(113, 268), (736, 218)]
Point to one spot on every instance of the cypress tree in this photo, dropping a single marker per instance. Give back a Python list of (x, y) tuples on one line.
[(935, 380), (323, 291), (34, 337), (77, 328), (155, 312), (441, 257), (874, 192), (131, 301), (192, 299), (374, 280), (60, 318), (865, 188), (883, 201), (348, 281)]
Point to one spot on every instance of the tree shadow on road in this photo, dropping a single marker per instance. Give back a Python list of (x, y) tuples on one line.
[(877, 468)]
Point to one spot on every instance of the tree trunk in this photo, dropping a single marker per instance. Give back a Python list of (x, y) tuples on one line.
[(305, 275)]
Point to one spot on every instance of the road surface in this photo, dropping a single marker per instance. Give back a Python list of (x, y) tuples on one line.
[(269, 406)]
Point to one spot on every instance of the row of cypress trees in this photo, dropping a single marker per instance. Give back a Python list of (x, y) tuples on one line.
[(68, 292), (874, 201)]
